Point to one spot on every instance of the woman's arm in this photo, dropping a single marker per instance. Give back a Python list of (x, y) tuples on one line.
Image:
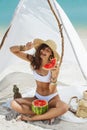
[(19, 51), (54, 75)]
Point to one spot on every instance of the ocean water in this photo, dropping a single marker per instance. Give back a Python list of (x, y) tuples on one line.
[(75, 9)]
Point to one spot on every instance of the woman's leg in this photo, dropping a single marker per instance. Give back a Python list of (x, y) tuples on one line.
[(57, 108), (22, 105)]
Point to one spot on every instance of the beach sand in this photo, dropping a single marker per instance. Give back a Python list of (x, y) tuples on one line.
[(20, 125), (6, 93)]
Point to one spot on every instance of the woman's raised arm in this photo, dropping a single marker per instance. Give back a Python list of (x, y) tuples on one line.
[(18, 50)]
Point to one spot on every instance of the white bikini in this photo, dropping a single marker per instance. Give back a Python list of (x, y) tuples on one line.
[(47, 98), (41, 78), (45, 79)]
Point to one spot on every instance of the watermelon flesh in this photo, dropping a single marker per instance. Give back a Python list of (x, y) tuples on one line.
[(39, 106), (51, 64)]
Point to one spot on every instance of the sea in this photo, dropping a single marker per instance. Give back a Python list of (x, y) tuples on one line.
[(76, 10)]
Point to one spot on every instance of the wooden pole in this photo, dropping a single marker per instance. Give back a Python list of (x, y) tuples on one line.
[(60, 28), (4, 37)]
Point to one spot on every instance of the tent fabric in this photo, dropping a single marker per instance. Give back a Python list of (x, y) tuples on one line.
[(34, 19)]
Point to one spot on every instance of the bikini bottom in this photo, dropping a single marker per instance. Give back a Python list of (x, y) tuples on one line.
[(47, 98)]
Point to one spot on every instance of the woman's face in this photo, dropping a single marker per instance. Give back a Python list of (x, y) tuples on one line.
[(45, 53)]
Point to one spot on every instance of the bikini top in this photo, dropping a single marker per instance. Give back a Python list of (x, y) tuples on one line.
[(41, 78)]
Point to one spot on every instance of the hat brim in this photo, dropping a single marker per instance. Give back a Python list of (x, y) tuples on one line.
[(38, 42)]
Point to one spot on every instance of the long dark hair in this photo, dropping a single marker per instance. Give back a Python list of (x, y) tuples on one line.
[(36, 60)]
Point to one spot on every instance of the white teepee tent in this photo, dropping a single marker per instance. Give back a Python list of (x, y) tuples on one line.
[(35, 19)]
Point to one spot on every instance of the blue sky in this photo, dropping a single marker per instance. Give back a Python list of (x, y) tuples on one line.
[(75, 9)]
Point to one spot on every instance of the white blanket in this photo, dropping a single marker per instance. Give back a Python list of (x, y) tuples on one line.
[(28, 89)]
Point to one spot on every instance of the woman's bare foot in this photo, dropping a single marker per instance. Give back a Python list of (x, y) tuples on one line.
[(29, 118), (51, 121), (24, 118)]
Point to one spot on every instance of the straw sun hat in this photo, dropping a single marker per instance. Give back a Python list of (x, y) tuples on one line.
[(50, 43)]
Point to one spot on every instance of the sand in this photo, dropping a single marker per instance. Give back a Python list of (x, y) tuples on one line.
[(20, 125)]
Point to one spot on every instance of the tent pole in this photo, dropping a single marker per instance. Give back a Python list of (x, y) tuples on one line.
[(72, 47), (4, 37), (60, 28)]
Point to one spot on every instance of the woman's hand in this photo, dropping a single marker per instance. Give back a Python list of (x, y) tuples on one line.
[(29, 46), (18, 48), (54, 73)]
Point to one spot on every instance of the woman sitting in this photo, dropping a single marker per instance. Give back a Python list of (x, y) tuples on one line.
[(46, 81)]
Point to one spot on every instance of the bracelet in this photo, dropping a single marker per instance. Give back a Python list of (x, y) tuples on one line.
[(22, 47), (53, 80), (53, 83)]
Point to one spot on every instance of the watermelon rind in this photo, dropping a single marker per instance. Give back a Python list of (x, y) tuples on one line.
[(39, 109)]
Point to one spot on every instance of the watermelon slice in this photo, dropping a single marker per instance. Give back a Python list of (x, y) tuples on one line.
[(39, 106), (50, 65)]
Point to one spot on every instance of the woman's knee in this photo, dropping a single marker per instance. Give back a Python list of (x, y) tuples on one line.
[(65, 107), (14, 104)]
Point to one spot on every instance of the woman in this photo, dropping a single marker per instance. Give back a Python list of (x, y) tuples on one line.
[(46, 81)]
